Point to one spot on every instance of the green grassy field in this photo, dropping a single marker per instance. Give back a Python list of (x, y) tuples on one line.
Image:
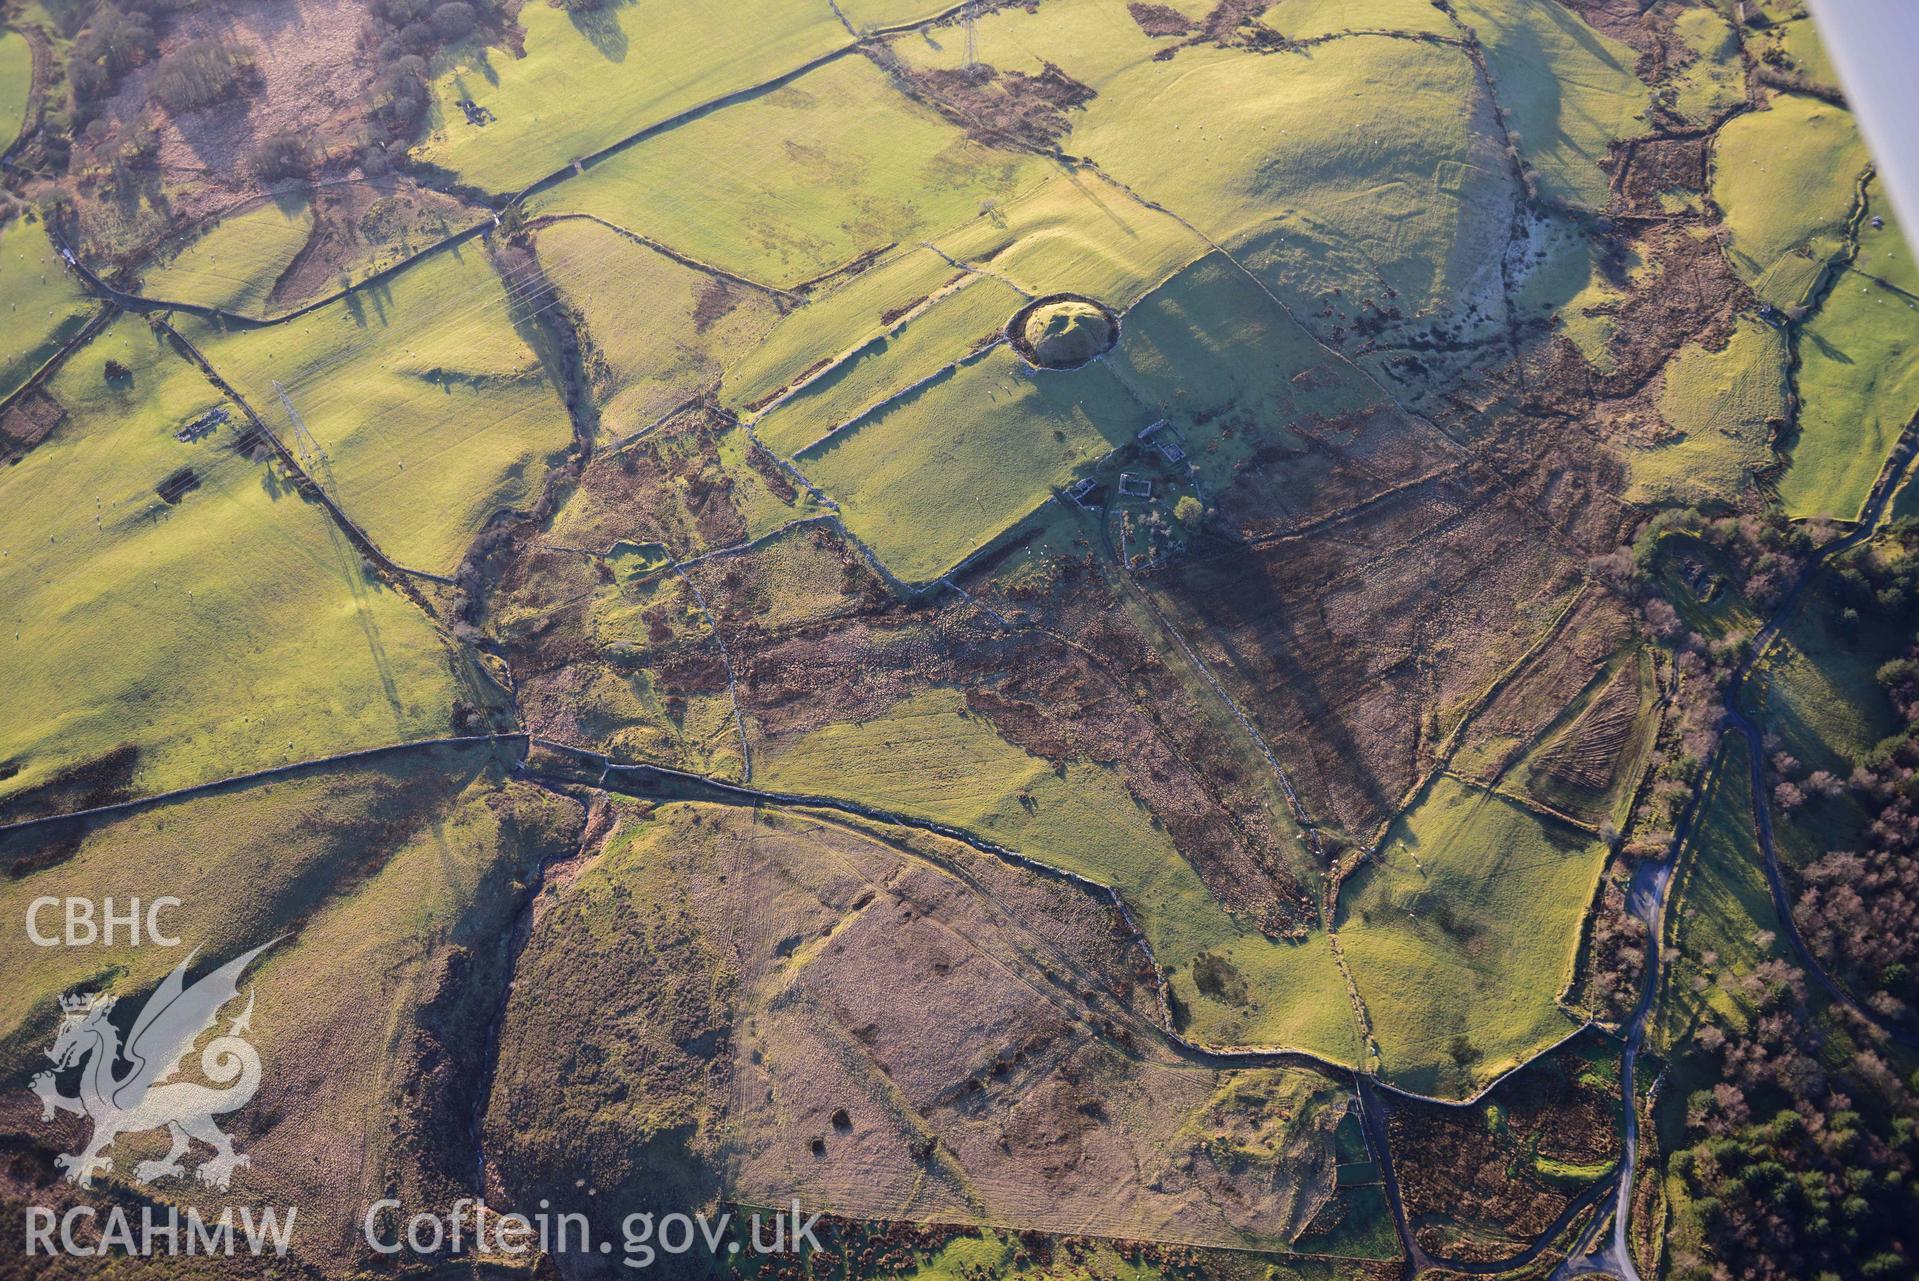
[(1858, 388), (1230, 370), (1075, 234), (416, 868), (940, 472), (1806, 53), (235, 264), (1307, 19), (1568, 91), (44, 307), (1299, 998), (1818, 690), (1715, 80), (1282, 155), (432, 410), (232, 631), (1884, 252), (1786, 178), (1209, 338), (16, 86), (588, 80), (198, 850), (927, 756), (833, 323), (650, 320), (1721, 403), (866, 15), (1720, 921), (975, 311), (801, 180), (1460, 934)]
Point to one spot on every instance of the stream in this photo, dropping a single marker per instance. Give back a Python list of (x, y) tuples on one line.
[(1651, 882)]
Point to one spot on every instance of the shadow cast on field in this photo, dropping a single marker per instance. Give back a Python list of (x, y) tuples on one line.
[(1826, 348), (1261, 638), (602, 29), (380, 294), (353, 571)]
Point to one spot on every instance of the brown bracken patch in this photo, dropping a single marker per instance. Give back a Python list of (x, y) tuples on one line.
[(997, 108), (1159, 19), (29, 420)]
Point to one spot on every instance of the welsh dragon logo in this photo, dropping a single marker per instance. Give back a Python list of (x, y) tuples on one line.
[(171, 1022)]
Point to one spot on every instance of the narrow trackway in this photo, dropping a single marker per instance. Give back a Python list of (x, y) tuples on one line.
[(138, 803), (1646, 900), (143, 305), (1373, 1119)]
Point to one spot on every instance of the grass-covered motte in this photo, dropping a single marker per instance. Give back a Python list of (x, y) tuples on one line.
[(1063, 332), (1859, 388)]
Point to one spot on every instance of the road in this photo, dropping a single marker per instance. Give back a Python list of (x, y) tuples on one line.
[(1652, 881), (1645, 899)]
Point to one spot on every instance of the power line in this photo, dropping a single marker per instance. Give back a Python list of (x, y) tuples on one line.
[(305, 447)]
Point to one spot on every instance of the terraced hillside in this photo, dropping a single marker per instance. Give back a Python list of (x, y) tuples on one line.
[(1099, 639)]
